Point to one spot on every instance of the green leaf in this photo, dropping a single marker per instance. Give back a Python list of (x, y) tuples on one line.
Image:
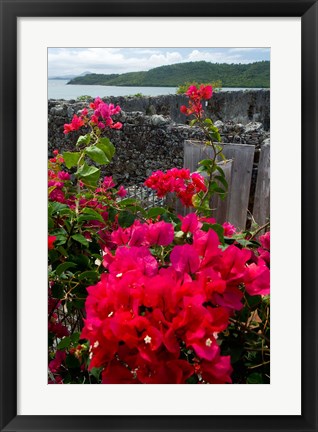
[(90, 275), (126, 219), (200, 206), (217, 228), (51, 189), (208, 121), (112, 212), (81, 239), (60, 240), (95, 372), (56, 207), (65, 343), (72, 362), (214, 131), (244, 243), (156, 211), (64, 266), (83, 140), (192, 380), (215, 188), (127, 202), (71, 158), (217, 167), (97, 155), (134, 209), (78, 303), (57, 291), (222, 180), (82, 261), (62, 251), (206, 163), (50, 223), (253, 301), (255, 378), (236, 353), (75, 337), (88, 174), (107, 147), (90, 214)]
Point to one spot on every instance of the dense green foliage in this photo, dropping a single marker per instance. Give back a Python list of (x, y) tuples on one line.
[(232, 75), (216, 85)]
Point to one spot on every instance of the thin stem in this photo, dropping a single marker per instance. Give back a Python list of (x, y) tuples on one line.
[(259, 230), (247, 329), (257, 366)]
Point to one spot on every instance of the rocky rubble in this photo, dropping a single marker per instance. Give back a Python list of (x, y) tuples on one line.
[(145, 143)]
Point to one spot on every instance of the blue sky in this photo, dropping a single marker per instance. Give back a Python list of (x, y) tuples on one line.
[(74, 61)]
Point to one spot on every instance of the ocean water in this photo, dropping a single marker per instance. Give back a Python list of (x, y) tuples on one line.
[(58, 89)]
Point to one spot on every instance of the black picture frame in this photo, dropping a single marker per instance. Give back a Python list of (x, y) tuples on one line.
[(10, 11)]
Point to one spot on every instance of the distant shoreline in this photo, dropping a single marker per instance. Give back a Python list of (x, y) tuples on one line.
[(170, 86)]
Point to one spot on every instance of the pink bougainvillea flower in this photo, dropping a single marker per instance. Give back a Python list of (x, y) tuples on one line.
[(94, 119), (133, 258), (231, 298), (196, 95), (205, 92), (63, 175), (108, 182), (135, 235), (58, 329), (57, 195), (160, 233), (265, 240), (76, 123), (55, 365), (116, 373), (68, 128), (185, 259), (232, 266), (192, 92), (122, 192), (57, 380), (207, 246), (51, 240), (229, 229), (208, 220), (206, 347), (190, 223), (103, 113), (257, 279), (180, 181), (264, 251), (198, 181), (217, 371), (117, 125)]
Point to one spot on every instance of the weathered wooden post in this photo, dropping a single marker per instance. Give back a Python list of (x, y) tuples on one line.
[(235, 206), (261, 208)]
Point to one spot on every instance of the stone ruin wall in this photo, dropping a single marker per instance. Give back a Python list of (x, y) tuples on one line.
[(154, 130)]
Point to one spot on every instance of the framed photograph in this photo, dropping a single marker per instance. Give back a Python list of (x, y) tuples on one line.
[(30, 32)]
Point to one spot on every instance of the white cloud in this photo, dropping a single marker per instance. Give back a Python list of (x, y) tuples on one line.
[(74, 61), (216, 57), (107, 60), (242, 49)]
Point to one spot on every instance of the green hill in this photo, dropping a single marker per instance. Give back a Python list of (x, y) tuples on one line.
[(232, 75)]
